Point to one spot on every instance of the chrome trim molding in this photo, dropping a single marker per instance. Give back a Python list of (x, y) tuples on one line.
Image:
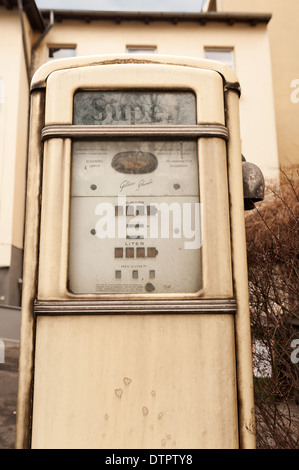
[(98, 307), (78, 131)]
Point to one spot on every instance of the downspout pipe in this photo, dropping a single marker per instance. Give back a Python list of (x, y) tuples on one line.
[(50, 25), (42, 36), (21, 12)]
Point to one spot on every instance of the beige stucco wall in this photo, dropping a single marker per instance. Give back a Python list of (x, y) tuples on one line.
[(283, 35), (13, 145), (253, 66), (13, 131)]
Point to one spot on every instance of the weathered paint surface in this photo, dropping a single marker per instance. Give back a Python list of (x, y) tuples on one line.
[(164, 381)]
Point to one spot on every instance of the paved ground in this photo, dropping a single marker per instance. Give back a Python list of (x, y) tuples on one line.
[(8, 395)]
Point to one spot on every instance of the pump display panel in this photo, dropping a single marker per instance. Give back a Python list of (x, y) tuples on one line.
[(135, 213)]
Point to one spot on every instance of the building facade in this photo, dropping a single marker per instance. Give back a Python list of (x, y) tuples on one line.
[(31, 37), (17, 29), (283, 40)]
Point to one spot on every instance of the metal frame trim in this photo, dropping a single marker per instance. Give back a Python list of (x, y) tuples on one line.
[(214, 306), (78, 131)]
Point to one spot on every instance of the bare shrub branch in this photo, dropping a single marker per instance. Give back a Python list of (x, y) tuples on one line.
[(273, 270)]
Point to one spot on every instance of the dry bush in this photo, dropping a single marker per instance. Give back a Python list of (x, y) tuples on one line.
[(273, 269)]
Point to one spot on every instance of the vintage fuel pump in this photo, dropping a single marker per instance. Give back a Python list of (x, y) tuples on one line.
[(135, 318)]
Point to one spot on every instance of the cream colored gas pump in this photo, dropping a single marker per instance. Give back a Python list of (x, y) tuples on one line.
[(135, 320)]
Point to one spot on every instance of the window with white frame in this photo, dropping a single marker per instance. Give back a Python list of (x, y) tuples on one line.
[(141, 49), (224, 55), (61, 52)]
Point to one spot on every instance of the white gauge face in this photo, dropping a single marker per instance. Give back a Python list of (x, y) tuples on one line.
[(134, 167), (135, 222)]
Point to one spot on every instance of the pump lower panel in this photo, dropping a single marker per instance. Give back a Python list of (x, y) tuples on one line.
[(143, 381)]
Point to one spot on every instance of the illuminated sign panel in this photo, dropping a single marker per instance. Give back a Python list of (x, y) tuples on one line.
[(134, 107)]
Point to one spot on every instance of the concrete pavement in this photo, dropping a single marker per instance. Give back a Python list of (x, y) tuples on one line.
[(8, 392)]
